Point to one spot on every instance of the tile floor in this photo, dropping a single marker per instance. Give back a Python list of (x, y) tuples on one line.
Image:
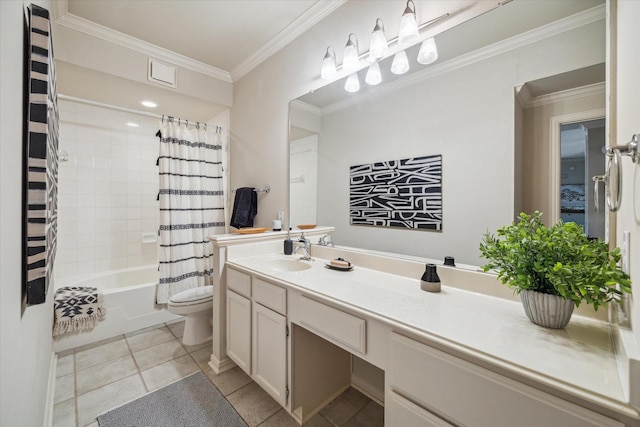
[(95, 378)]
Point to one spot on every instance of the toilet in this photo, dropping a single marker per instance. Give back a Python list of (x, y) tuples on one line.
[(197, 306)]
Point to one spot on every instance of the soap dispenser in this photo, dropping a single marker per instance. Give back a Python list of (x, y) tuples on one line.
[(288, 243), (430, 281)]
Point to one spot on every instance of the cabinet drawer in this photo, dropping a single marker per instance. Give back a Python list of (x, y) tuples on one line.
[(270, 296), (430, 378), (239, 282), (335, 325), (401, 412)]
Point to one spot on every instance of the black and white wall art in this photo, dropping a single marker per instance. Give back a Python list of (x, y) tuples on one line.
[(404, 193), (40, 159)]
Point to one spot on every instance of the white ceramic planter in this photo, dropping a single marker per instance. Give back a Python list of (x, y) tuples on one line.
[(550, 311)]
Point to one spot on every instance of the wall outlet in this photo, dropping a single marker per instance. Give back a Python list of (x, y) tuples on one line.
[(626, 249)]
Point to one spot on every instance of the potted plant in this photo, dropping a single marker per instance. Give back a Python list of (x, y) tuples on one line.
[(554, 268)]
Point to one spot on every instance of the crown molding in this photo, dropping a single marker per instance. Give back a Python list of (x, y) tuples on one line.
[(566, 95), (552, 29), (308, 19), (73, 22), (305, 106), (305, 21)]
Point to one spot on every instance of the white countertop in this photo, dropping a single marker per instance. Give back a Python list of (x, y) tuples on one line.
[(578, 359)]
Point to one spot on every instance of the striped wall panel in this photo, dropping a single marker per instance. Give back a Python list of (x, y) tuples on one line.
[(41, 159)]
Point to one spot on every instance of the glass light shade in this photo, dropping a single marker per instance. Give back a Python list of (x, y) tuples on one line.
[(353, 83), (428, 52), (329, 70), (351, 60), (408, 33), (400, 64), (374, 76), (378, 47)]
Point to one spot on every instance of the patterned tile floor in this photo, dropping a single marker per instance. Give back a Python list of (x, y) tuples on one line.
[(95, 378)]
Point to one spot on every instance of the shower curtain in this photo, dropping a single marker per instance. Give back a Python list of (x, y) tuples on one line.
[(191, 206)]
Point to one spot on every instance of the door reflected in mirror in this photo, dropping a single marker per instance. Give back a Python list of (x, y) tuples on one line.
[(582, 157)]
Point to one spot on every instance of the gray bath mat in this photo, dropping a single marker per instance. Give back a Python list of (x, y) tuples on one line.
[(193, 401)]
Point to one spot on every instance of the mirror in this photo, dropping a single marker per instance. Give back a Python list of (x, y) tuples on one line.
[(463, 108)]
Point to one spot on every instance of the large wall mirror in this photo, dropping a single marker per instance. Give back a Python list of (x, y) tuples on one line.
[(468, 107)]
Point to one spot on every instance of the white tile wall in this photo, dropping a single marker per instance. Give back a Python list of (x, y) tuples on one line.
[(107, 190)]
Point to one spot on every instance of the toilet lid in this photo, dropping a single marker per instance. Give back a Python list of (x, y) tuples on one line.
[(193, 295)]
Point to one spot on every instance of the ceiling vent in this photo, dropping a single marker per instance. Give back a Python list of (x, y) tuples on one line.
[(162, 73)]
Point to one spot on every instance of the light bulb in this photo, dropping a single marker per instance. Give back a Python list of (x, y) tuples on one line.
[(378, 47), (329, 70), (408, 33), (428, 52), (400, 64), (353, 83), (351, 60), (374, 76)]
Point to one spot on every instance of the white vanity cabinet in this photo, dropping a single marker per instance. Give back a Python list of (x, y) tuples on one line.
[(257, 331), (269, 362), (239, 319), (427, 387)]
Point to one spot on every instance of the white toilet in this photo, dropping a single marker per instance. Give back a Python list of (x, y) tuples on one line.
[(197, 306)]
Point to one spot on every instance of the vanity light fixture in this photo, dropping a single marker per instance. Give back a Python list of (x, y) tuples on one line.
[(329, 70), (378, 48), (373, 76), (133, 125), (408, 33), (353, 83), (148, 104), (351, 61), (400, 64), (428, 53)]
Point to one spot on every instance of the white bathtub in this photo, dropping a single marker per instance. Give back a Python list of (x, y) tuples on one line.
[(129, 296)]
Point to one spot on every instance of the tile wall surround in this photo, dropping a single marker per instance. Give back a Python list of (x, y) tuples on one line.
[(107, 190), (303, 172)]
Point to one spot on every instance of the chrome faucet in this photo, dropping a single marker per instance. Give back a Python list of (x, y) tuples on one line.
[(306, 248), (326, 241)]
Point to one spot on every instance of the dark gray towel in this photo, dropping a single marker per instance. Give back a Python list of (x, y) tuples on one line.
[(245, 207)]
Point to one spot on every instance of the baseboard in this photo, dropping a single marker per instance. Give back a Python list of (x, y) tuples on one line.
[(368, 390), (51, 391), (220, 366)]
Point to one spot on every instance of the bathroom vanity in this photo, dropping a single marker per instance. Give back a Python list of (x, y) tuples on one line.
[(465, 356)]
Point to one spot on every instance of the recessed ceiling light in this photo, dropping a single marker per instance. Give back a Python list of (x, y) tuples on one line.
[(149, 104), (133, 125)]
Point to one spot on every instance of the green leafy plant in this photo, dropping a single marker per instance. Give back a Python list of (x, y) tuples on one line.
[(557, 260)]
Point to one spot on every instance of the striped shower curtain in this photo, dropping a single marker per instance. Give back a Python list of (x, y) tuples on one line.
[(191, 206)]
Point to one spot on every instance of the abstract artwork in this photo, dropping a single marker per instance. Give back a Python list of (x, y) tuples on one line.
[(403, 193), (40, 159)]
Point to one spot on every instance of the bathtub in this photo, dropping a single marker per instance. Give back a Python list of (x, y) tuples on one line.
[(129, 296)]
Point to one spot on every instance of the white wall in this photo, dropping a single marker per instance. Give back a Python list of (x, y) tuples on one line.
[(25, 336), (107, 190)]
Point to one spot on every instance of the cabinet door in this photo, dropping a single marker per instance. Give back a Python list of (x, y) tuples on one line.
[(239, 330), (270, 352)]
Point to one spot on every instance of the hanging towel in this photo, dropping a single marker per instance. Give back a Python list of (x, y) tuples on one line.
[(77, 308), (245, 207)]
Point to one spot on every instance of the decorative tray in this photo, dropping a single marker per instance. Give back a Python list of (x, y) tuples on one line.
[(250, 230), (306, 226)]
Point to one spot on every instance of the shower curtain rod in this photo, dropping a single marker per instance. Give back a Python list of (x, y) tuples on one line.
[(123, 109)]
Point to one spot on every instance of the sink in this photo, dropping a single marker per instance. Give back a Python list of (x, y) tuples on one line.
[(285, 264)]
